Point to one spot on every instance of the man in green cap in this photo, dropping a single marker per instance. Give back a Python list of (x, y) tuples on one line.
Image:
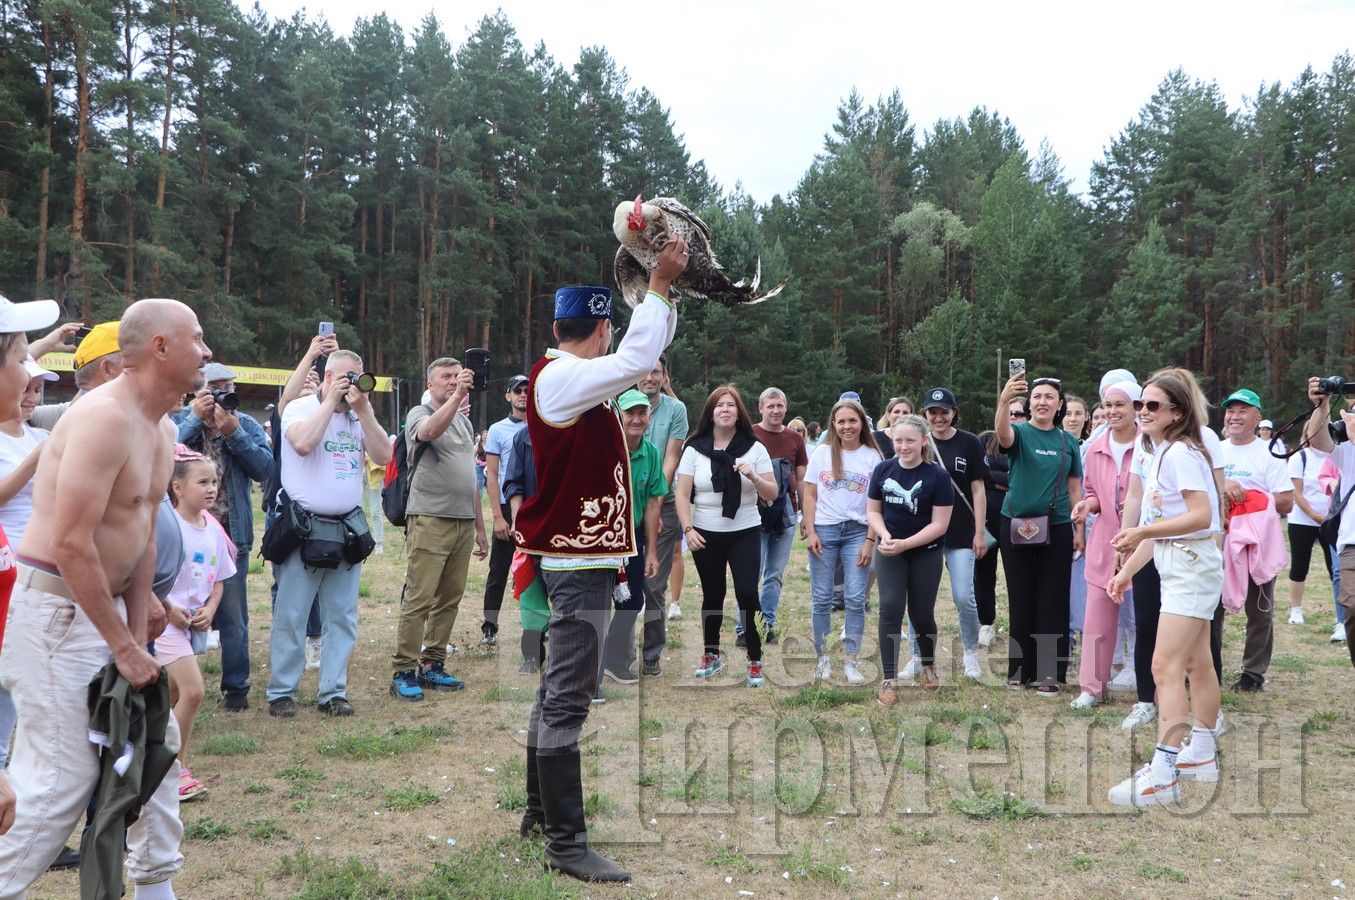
[(1249, 466), (648, 488)]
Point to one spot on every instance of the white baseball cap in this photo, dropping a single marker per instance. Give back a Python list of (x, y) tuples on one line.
[(36, 371), (16, 317), (1266, 423)]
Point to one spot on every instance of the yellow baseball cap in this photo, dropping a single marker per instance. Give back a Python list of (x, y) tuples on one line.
[(101, 341)]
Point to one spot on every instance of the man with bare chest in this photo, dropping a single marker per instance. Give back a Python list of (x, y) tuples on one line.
[(84, 596)]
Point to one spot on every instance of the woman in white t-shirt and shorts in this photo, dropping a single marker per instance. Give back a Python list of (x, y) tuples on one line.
[(1176, 531)]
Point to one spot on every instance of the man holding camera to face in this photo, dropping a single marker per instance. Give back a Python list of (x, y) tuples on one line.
[(1336, 438), (323, 438), (213, 426)]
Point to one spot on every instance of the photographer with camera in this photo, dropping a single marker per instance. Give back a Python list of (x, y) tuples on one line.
[(324, 438), (1330, 437), (213, 426)]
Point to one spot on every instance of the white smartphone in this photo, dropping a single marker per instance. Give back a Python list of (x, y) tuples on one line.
[(326, 329), (1014, 366)]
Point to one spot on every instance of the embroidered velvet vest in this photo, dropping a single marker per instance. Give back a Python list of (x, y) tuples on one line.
[(582, 504)]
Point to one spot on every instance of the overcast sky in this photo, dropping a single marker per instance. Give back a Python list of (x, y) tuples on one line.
[(754, 85)]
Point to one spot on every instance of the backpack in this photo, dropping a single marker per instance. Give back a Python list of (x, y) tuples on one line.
[(400, 477), (778, 515)]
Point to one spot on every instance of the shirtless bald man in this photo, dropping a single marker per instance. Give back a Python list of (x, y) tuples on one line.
[(84, 597)]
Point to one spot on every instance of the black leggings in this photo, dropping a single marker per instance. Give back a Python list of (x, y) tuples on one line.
[(985, 570), (1038, 581), (1301, 540), (908, 582), (740, 552)]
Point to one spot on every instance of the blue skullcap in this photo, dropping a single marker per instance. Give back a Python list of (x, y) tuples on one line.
[(584, 301), (850, 395)]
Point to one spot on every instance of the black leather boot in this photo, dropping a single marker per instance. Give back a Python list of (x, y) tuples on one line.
[(562, 800), (533, 819)]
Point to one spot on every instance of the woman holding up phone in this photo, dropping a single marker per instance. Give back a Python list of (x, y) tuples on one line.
[(1037, 534), (1176, 531), (909, 507)]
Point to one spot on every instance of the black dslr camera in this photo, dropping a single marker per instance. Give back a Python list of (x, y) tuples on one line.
[(366, 382), (1335, 385), (227, 400)]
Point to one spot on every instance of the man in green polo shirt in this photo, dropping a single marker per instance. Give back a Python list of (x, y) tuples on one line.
[(648, 488)]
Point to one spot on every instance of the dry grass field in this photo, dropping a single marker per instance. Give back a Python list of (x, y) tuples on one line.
[(717, 790)]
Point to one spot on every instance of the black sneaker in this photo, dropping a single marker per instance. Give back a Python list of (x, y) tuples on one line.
[(771, 636), (740, 641), (236, 701), (339, 706), (489, 638), (282, 708), (652, 668), (66, 859), (1248, 683)]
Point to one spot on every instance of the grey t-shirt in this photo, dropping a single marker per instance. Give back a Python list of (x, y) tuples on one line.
[(667, 421), (444, 483)]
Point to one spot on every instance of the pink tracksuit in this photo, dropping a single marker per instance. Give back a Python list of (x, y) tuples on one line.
[(1101, 480)]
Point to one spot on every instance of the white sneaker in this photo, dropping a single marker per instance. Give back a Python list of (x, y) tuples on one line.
[(1125, 681), (1142, 789), (1220, 726), (852, 673), (1085, 700), (1141, 714), (973, 667), (1190, 769), (823, 669), (1338, 634), (213, 640), (912, 670), (674, 612), (986, 635), (312, 653), (1296, 615)]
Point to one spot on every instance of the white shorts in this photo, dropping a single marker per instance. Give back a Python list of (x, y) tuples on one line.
[(1191, 575)]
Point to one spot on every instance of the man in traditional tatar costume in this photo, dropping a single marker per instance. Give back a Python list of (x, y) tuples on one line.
[(579, 525)]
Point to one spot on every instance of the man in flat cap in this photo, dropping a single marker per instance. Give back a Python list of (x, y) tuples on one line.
[(582, 531)]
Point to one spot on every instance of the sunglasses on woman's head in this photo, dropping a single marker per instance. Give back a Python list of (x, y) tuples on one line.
[(1152, 405)]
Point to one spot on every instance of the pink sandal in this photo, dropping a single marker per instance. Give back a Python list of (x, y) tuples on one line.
[(189, 787)]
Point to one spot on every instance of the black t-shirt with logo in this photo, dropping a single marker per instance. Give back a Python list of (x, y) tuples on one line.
[(908, 495), (963, 456)]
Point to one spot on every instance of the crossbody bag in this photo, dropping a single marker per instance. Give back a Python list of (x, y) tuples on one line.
[(988, 538)]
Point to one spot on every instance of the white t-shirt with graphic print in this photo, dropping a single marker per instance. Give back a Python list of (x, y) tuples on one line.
[(843, 499)]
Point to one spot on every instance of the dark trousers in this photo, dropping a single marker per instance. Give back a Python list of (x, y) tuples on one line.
[(1147, 607), (908, 584), (500, 560), (656, 591), (620, 643), (738, 553), (579, 601), (232, 620), (1038, 581), (985, 575), (1301, 540)]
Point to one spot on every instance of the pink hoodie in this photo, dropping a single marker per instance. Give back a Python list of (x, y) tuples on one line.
[(1109, 487), (1253, 550)]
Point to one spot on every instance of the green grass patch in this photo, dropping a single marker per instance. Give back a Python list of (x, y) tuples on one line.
[(731, 861), (230, 743), (256, 565), (820, 698), (1322, 720), (256, 787), (509, 693), (1155, 872), (208, 829), (1083, 863), (988, 805), (647, 779), (819, 866), (598, 805), (929, 734), (1290, 662), (650, 728), (409, 796), (509, 869), (392, 742), (673, 642), (959, 715), (364, 589), (266, 830), (209, 665), (326, 879)]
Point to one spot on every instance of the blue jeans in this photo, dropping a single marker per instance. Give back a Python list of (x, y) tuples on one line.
[(1336, 588), (1077, 595), (960, 563), (336, 590), (775, 555), (232, 620), (842, 541)]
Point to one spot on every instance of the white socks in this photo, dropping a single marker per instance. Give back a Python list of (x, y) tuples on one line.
[(160, 890), (1201, 744), (1164, 764)]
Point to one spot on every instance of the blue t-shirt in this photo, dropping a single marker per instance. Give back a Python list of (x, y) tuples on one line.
[(908, 496), (499, 443)]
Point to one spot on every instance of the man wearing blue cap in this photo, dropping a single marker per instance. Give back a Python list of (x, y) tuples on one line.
[(582, 530)]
